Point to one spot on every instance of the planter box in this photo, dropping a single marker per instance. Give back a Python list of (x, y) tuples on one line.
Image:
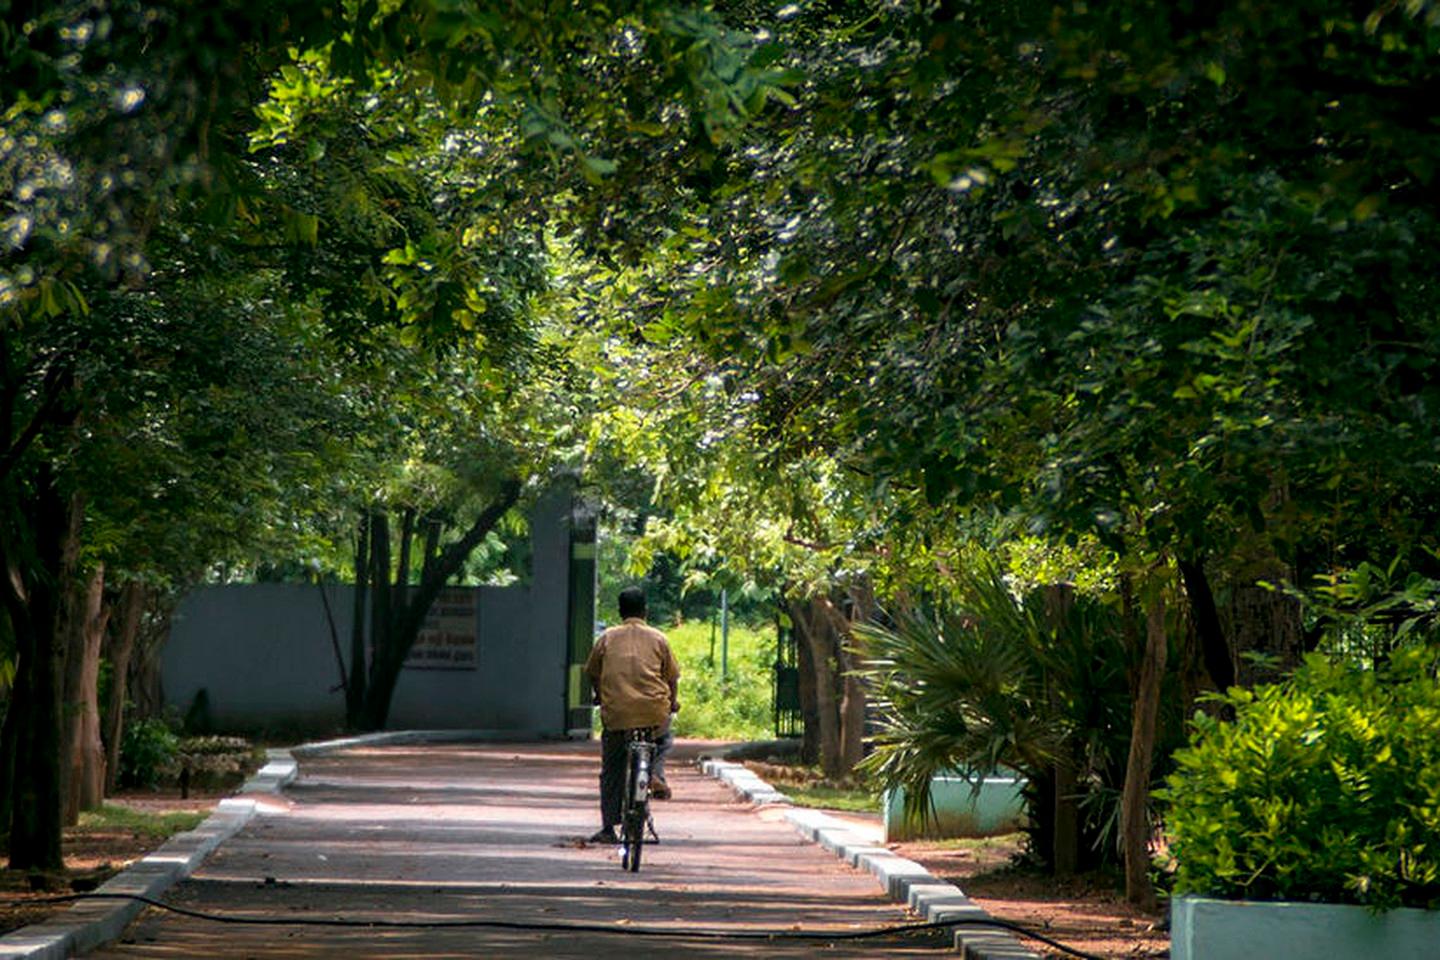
[(1203, 929), (959, 810)]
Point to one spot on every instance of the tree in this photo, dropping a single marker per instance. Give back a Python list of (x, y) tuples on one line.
[(1101, 268), (87, 161)]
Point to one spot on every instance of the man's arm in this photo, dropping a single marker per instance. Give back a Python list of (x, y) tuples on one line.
[(595, 666), (672, 678)]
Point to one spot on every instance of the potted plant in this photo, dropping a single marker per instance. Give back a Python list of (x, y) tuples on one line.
[(1310, 824)]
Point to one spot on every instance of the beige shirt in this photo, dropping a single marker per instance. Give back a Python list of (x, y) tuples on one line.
[(635, 673)]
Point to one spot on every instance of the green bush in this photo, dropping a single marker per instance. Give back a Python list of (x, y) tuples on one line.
[(1325, 787), (148, 750), (737, 707), (215, 761)]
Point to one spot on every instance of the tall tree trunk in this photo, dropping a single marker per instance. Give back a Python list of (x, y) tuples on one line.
[(402, 567), (9, 744), (1264, 619), (359, 662), (814, 624), (434, 526), (809, 698), (1266, 622), (853, 701), (1065, 777), (344, 683), (27, 589), (70, 626), (1135, 800), (380, 596), (1215, 649), (122, 646), (853, 695), (81, 750), (391, 645)]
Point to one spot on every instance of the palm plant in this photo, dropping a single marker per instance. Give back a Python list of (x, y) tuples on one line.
[(985, 680)]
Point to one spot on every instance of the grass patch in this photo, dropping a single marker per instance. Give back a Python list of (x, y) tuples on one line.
[(849, 799), (156, 826), (734, 707), (1004, 842), (806, 786)]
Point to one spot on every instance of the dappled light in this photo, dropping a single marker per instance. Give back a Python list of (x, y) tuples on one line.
[(1037, 384), (463, 842)]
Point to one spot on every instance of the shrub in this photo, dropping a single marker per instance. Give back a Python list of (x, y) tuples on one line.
[(147, 752), (737, 707), (1325, 787), (216, 761)]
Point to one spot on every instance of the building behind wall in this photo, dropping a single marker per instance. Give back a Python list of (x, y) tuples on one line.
[(501, 659)]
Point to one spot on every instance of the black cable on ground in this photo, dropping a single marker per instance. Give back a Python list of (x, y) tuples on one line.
[(699, 934)]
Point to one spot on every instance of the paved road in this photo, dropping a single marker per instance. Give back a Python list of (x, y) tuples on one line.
[(492, 831)]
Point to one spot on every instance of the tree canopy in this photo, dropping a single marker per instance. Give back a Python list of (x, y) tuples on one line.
[(832, 291)]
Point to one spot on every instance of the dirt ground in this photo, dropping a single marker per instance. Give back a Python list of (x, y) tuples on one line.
[(1088, 912), (92, 856)]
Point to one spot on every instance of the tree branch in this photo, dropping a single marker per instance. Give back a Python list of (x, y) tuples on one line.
[(451, 560), (53, 388)]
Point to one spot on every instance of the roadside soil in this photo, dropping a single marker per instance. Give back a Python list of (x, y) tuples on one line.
[(92, 856), (1087, 912)]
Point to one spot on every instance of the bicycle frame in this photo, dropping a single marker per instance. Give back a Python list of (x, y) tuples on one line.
[(635, 807)]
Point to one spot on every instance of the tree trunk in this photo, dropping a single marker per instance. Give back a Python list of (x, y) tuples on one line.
[(27, 590), (1134, 802), (434, 526), (392, 637), (1263, 619), (853, 696), (122, 645), (1215, 649), (70, 627), (359, 662), (853, 701), (344, 683), (402, 567), (82, 753), (380, 597), (9, 744), (814, 626), (1065, 777), (809, 699), (1266, 622)]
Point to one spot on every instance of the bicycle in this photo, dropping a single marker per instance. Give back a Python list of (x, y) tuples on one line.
[(635, 817)]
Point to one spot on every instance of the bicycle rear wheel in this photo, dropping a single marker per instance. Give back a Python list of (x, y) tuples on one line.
[(633, 838)]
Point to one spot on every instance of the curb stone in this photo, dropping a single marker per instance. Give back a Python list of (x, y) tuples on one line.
[(325, 748), (904, 880), (90, 923)]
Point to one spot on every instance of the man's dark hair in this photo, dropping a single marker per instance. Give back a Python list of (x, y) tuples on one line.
[(632, 603)]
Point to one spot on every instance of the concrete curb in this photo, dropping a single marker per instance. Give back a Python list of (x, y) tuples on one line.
[(90, 923), (904, 880), (402, 737)]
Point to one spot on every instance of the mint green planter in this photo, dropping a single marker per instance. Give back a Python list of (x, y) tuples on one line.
[(960, 811), (1203, 929)]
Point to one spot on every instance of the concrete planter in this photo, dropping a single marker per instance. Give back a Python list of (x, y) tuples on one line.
[(1203, 929), (960, 811)]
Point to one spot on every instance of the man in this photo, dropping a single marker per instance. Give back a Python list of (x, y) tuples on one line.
[(636, 682)]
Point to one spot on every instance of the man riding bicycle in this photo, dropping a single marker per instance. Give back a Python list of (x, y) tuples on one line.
[(636, 681)]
